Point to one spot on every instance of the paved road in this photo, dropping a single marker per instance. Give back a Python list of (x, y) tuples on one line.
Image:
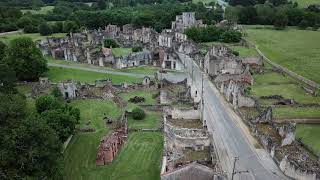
[(139, 75), (231, 136)]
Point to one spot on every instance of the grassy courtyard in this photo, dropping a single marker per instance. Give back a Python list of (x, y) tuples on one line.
[(297, 50), (57, 74), (139, 158), (117, 52)]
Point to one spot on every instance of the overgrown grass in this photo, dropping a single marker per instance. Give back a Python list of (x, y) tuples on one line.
[(306, 3), (296, 112), (272, 78), (310, 134), (297, 50), (34, 36), (152, 120), (139, 159), (42, 10), (57, 74), (94, 110), (117, 52)]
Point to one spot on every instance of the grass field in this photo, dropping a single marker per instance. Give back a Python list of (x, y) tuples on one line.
[(296, 112), (117, 52), (203, 1), (306, 3), (34, 36), (297, 50), (57, 74), (139, 159), (43, 10), (139, 70), (309, 133)]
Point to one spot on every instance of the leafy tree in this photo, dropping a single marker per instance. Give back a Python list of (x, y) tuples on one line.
[(62, 122), (12, 109), (101, 4), (2, 50), (35, 150), (45, 29), (44, 103), (231, 36), (111, 43), (248, 15), (25, 59), (281, 20), (7, 79), (57, 27), (303, 24), (70, 26), (265, 13), (56, 93), (30, 29), (138, 114)]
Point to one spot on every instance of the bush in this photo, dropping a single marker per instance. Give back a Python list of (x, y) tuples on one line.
[(44, 103), (56, 92), (138, 114), (30, 29), (236, 53), (45, 29), (111, 43), (137, 49), (231, 36)]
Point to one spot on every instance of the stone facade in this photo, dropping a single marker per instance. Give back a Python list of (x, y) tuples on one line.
[(186, 20), (69, 89)]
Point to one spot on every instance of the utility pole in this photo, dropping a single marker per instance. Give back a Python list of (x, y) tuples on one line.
[(234, 168)]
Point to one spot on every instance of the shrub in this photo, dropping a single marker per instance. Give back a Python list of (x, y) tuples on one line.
[(137, 49), (44, 103), (111, 43), (236, 53), (138, 114), (45, 29)]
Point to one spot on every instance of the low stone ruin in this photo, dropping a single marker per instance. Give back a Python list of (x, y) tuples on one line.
[(111, 144)]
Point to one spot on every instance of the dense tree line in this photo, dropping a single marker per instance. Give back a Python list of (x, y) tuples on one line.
[(158, 16), (212, 33), (254, 2), (279, 16), (30, 140)]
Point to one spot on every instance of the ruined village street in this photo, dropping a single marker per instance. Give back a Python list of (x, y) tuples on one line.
[(231, 137)]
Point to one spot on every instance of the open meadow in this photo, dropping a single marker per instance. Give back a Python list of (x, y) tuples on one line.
[(297, 50)]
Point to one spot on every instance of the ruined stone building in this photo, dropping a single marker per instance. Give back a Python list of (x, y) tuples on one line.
[(68, 89), (110, 145), (186, 20), (133, 59)]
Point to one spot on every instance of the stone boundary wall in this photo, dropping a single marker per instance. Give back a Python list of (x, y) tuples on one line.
[(283, 69), (290, 170), (66, 143), (185, 113)]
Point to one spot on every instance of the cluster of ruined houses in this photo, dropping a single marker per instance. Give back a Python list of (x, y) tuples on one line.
[(87, 46), (232, 76)]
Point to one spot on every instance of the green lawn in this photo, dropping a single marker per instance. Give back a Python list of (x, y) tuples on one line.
[(147, 94), (306, 3), (139, 70), (296, 112), (272, 78), (139, 159), (203, 1), (57, 74), (117, 52), (152, 120), (94, 109), (290, 91), (297, 50), (310, 134), (42, 10), (34, 36)]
